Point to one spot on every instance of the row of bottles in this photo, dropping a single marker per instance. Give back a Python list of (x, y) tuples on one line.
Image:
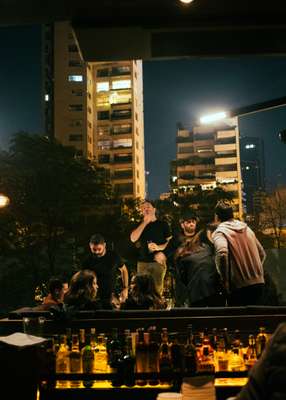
[(153, 351)]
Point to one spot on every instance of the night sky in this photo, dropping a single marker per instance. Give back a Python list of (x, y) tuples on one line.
[(174, 91)]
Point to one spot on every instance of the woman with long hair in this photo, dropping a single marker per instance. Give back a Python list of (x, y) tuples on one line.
[(143, 294), (195, 261), (82, 291)]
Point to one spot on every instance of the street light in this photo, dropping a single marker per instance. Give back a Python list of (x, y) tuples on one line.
[(4, 200), (238, 112)]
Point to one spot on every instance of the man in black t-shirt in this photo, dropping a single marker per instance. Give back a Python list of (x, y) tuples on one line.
[(106, 264), (153, 236)]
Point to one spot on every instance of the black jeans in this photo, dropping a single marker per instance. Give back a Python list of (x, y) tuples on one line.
[(248, 295)]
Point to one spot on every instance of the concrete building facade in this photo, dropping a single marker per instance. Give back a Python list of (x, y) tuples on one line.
[(97, 108), (209, 156)]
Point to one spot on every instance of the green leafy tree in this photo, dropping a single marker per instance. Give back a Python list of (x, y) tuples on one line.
[(52, 195)]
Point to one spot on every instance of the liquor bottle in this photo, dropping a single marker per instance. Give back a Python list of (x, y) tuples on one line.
[(75, 360), (141, 356), (221, 355), (214, 338), (114, 349), (153, 355), (81, 339), (115, 358), (176, 353), (69, 337), (101, 359), (251, 355), (87, 355), (128, 362), (206, 360), (93, 341), (165, 362), (236, 360), (190, 354), (63, 361), (261, 340)]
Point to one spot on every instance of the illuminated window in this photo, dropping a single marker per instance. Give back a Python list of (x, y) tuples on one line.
[(121, 84), (102, 99), (103, 130), (122, 97), (122, 143), (250, 146), (104, 144), (75, 78), (121, 129), (47, 97), (102, 87)]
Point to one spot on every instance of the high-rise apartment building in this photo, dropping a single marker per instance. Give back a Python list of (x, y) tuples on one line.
[(252, 169), (96, 108), (209, 156)]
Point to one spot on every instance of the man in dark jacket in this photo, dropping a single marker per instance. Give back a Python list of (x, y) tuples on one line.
[(267, 377)]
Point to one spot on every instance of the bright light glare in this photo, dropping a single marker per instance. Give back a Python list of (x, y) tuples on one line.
[(208, 119), (4, 200), (186, 1)]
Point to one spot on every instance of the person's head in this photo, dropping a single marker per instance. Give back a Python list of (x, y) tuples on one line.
[(143, 287), (223, 211), (97, 245), (56, 289), (83, 285), (147, 207), (188, 222)]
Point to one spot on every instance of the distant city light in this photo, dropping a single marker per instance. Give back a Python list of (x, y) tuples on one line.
[(4, 200), (208, 119), (47, 97), (250, 146)]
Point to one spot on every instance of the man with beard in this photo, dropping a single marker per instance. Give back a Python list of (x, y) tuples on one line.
[(152, 236), (107, 264)]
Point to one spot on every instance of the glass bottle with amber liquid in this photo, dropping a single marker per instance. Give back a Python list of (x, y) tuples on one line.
[(165, 361), (75, 360), (153, 355), (141, 356), (251, 355), (261, 340), (190, 353), (101, 358), (62, 361)]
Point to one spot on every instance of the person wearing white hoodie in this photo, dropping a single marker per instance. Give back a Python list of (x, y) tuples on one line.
[(239, 258)]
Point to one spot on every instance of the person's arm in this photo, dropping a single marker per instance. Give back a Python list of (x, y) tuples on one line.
[(221, 257), (137, 232), (261, 251), (125, 282)]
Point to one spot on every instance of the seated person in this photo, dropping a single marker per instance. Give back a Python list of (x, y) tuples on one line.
[(82, 291), (55, 296), (143, 294)]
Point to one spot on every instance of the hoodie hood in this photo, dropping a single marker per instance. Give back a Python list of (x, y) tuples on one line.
[(232, 225)]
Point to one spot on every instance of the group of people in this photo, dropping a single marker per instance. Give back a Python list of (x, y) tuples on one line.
[(219, 265)]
